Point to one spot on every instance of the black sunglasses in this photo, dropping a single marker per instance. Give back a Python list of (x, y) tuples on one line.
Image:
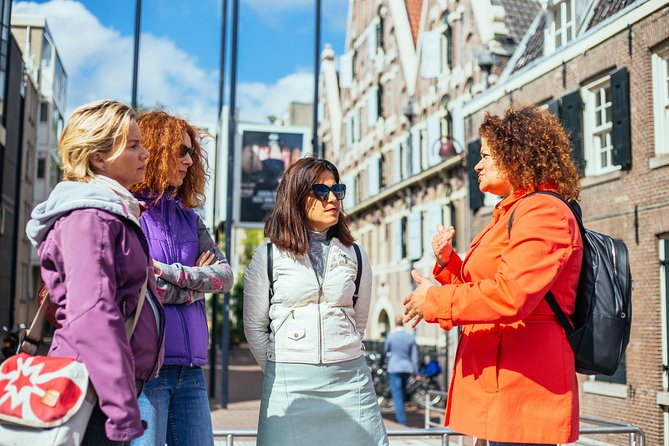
[(321, 191), (185, 150)]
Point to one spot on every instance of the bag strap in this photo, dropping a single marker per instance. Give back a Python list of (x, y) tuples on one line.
[(31, 339), (358, 274), (131, 323), (550, 299), (270, 277), (270, 271)]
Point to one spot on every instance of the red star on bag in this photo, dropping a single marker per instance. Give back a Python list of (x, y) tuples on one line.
[(40, 389)]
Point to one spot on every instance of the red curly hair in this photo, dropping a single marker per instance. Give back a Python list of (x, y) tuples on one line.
[(531, 149), (162, 136)]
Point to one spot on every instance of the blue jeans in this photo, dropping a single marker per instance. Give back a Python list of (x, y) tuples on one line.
[(176, 407), (398, 385)]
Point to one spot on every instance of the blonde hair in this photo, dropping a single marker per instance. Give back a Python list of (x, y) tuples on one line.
[(93, 129)]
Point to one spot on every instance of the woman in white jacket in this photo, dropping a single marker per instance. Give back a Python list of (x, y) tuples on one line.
[(306, 328)]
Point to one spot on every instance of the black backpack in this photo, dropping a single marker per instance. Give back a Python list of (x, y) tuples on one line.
[(270, 271), (600, 327)]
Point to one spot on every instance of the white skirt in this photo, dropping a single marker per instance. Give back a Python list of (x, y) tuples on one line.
[(320, 404)]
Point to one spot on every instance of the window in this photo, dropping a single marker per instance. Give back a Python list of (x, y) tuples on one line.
[(446, 47), (660, 62), (598, 124), (664, 294), (379, 99), (28, 165), (46, 53), (356, 125), (561, 25), (405, 237), (43, 111), (380, 25), (383, 174), (405, 159), (416, 151), (41, 167)]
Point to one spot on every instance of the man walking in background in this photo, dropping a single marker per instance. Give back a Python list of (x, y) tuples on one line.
[(402, 363)]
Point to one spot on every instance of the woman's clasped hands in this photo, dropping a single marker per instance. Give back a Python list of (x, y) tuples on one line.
[(442, 246)]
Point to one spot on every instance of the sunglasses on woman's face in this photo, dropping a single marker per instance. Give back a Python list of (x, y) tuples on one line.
[(321, 191), (185, 150)]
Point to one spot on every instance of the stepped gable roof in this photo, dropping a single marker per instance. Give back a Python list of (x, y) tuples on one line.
[(414, 10), (606, 8), (534, 48)]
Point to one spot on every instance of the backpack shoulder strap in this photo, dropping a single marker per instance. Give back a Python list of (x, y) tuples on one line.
[(564, 320), (358, 256), (270, 269), (270, 276)]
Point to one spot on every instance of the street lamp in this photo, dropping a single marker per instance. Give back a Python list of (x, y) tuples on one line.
[(447, 146)]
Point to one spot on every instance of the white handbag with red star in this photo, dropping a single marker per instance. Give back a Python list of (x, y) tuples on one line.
[(45, 400), (51, 394)]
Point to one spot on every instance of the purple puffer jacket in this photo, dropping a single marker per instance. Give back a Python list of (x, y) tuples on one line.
[(172, 233)]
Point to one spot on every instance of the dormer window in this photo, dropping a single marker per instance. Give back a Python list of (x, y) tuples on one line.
[(561, 25)]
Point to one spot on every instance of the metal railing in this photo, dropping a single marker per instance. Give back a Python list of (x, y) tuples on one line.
[(608, 427), (636, 435), (434, 429), (444, 433)]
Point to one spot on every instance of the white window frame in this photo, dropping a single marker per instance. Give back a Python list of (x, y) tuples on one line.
[(660, 68), (593, 132), (559, 30)]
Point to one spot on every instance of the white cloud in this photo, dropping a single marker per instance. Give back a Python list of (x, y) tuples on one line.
[(257, 100), (98, 62), (333, 12)]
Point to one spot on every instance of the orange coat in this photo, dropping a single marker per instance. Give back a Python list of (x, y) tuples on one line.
[(514, 378)]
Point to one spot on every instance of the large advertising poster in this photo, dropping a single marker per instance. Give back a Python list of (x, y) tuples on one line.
[(266, 152)]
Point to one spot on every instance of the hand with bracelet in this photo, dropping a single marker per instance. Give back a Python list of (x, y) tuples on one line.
[(442, 244)]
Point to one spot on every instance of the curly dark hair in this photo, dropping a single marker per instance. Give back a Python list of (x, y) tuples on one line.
[(531, 149), (162, 135), (285, 225)]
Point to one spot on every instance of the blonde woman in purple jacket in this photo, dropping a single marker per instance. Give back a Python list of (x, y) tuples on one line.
[(95, 261)]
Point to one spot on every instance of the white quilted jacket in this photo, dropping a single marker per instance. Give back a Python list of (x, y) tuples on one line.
[(308, 323)]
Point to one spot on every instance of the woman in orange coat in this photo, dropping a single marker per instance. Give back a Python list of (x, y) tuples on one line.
[(514, 380)]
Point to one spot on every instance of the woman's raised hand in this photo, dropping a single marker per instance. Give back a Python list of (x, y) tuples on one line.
[(442, 244)]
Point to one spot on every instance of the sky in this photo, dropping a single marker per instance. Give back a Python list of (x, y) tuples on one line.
[(180, 52)]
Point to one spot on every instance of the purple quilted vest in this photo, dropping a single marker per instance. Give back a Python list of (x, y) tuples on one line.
[(171, 231)]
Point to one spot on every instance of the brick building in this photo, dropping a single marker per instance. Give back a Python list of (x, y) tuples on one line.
[(389, 121), (603, 68)]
